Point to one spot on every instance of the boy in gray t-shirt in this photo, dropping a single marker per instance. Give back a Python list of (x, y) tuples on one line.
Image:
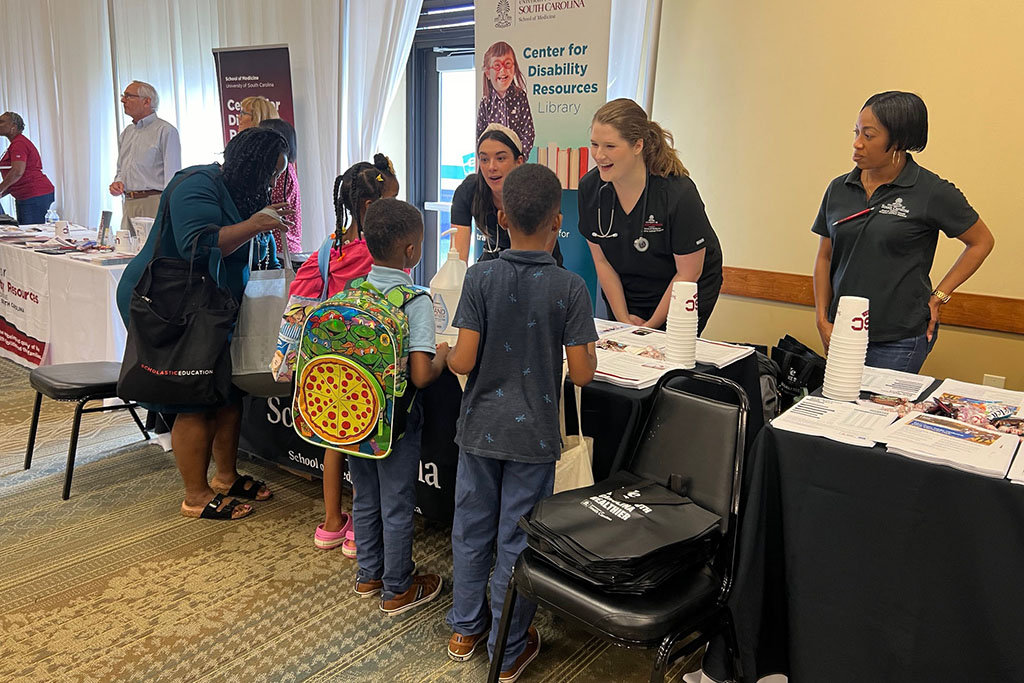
[(516, 314)]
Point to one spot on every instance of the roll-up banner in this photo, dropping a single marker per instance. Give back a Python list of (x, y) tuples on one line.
[(249, 71), (543, 73)]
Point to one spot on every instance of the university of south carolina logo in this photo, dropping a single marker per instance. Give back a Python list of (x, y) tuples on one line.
[(859, 322), (895, 208), (503, 15), (652, 224)]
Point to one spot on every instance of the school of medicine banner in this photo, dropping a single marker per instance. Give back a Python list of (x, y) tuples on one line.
[(544, 72), (24, 307), (249, 71)]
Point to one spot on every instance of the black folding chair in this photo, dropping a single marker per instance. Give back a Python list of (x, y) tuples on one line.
[(78, 383), (695, 428)]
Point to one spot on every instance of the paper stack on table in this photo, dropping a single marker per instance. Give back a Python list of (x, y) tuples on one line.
[(894, 383), (840, 421), (946, 441), (952, 390), (1016, 473), (635, 357)]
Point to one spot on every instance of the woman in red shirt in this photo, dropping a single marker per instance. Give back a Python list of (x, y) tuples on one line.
[(22, 170)]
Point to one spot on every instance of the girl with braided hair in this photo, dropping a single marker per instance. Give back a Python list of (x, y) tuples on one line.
[(341, 258), (343, 255)]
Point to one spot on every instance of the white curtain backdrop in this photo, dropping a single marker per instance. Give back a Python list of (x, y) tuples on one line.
[(378, 37), (631, 70), (56, 73), (63, 64)]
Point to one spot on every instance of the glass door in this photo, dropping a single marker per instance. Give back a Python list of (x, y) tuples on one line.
[(456, 148)]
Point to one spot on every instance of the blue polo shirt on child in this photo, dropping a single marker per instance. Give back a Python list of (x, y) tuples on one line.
[(526, 309), (419, 311)]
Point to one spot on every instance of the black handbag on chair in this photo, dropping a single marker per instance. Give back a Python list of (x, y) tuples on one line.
[(179, 324)]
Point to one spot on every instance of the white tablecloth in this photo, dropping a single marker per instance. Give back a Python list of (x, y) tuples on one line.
[(67, 306)]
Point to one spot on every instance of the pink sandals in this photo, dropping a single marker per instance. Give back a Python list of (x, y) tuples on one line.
[(328, 540)]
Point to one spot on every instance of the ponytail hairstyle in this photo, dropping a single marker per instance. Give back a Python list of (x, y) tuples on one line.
[(500, 49), (632, 123), (360, 182), (483, 199)]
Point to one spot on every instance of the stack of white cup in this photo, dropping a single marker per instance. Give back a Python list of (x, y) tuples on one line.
[(844, 368), (681, 326)]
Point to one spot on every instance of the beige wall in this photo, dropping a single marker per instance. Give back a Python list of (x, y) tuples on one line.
[(762, 98)]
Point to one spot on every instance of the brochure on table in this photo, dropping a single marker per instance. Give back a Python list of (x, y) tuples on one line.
[(841, 421), (894, 383), (945, 441), (1016, 473), (634, 357), (955, 390)]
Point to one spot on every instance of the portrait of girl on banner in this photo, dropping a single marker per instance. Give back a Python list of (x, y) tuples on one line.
[(504, 95)]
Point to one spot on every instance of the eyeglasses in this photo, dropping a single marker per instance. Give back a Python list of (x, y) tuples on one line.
[(245, 113), (126, 95), (508, 65)]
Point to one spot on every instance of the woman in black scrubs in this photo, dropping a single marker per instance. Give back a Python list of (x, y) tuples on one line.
[(479, 196), (644, 220)]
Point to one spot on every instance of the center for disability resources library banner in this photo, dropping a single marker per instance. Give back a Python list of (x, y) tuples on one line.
[(543, 72)]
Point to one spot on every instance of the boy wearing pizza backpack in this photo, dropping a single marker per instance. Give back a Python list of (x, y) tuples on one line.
[(382, 511)]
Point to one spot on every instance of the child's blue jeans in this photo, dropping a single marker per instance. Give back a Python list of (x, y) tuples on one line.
[(490, 497), (382, 509)]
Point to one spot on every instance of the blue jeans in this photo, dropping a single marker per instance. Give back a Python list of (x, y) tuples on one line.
[(490, 497), (32, 211), (382, 510), (907, 355)]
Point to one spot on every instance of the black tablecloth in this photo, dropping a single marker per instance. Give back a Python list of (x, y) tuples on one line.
[(611, 415), (857, 565)]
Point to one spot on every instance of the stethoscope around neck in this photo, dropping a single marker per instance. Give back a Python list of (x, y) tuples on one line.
[(640, 243)]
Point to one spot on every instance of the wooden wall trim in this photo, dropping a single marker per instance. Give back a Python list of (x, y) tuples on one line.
[(980, 311)]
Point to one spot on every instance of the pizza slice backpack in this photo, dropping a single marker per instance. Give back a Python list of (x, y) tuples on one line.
[(351, 381)]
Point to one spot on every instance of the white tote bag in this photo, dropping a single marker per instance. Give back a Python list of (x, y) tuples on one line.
[(259, 321), (575, 468)]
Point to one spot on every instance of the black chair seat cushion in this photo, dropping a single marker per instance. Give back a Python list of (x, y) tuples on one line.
[(76, 381), (639, 619)]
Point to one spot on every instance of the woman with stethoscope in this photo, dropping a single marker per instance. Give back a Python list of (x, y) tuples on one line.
[(644, 220), (479, 196)]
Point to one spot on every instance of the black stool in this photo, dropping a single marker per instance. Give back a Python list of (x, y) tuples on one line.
[(81, 383)]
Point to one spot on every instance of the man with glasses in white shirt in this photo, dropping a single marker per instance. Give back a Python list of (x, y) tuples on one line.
[(149, 154)]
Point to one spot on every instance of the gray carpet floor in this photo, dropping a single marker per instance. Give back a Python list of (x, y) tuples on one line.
[(114, 585)]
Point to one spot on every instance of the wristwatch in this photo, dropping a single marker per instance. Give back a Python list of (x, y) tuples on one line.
[(941, 296)]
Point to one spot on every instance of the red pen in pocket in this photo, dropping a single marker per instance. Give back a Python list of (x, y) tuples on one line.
[(852, 216)]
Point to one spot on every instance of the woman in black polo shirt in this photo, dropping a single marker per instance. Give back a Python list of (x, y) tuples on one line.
[(879, 226), (479, 196), (644, 220)]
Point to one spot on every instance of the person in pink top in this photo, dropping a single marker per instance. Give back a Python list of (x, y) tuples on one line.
[(286, 188), (343, 257)]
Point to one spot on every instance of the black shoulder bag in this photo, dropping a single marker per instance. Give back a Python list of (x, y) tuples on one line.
[(179, 325)]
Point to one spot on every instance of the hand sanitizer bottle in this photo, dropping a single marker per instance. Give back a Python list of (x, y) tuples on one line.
[(445, 290)]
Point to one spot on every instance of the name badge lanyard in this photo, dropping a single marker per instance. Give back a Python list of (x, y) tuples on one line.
[(641, 243)]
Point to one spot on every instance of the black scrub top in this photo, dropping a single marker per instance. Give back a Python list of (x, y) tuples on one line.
[(886, 254), (490, 240), (674, 222)]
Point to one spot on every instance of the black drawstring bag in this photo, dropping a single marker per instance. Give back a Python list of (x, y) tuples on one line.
[(179, 325), (801, 370)]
